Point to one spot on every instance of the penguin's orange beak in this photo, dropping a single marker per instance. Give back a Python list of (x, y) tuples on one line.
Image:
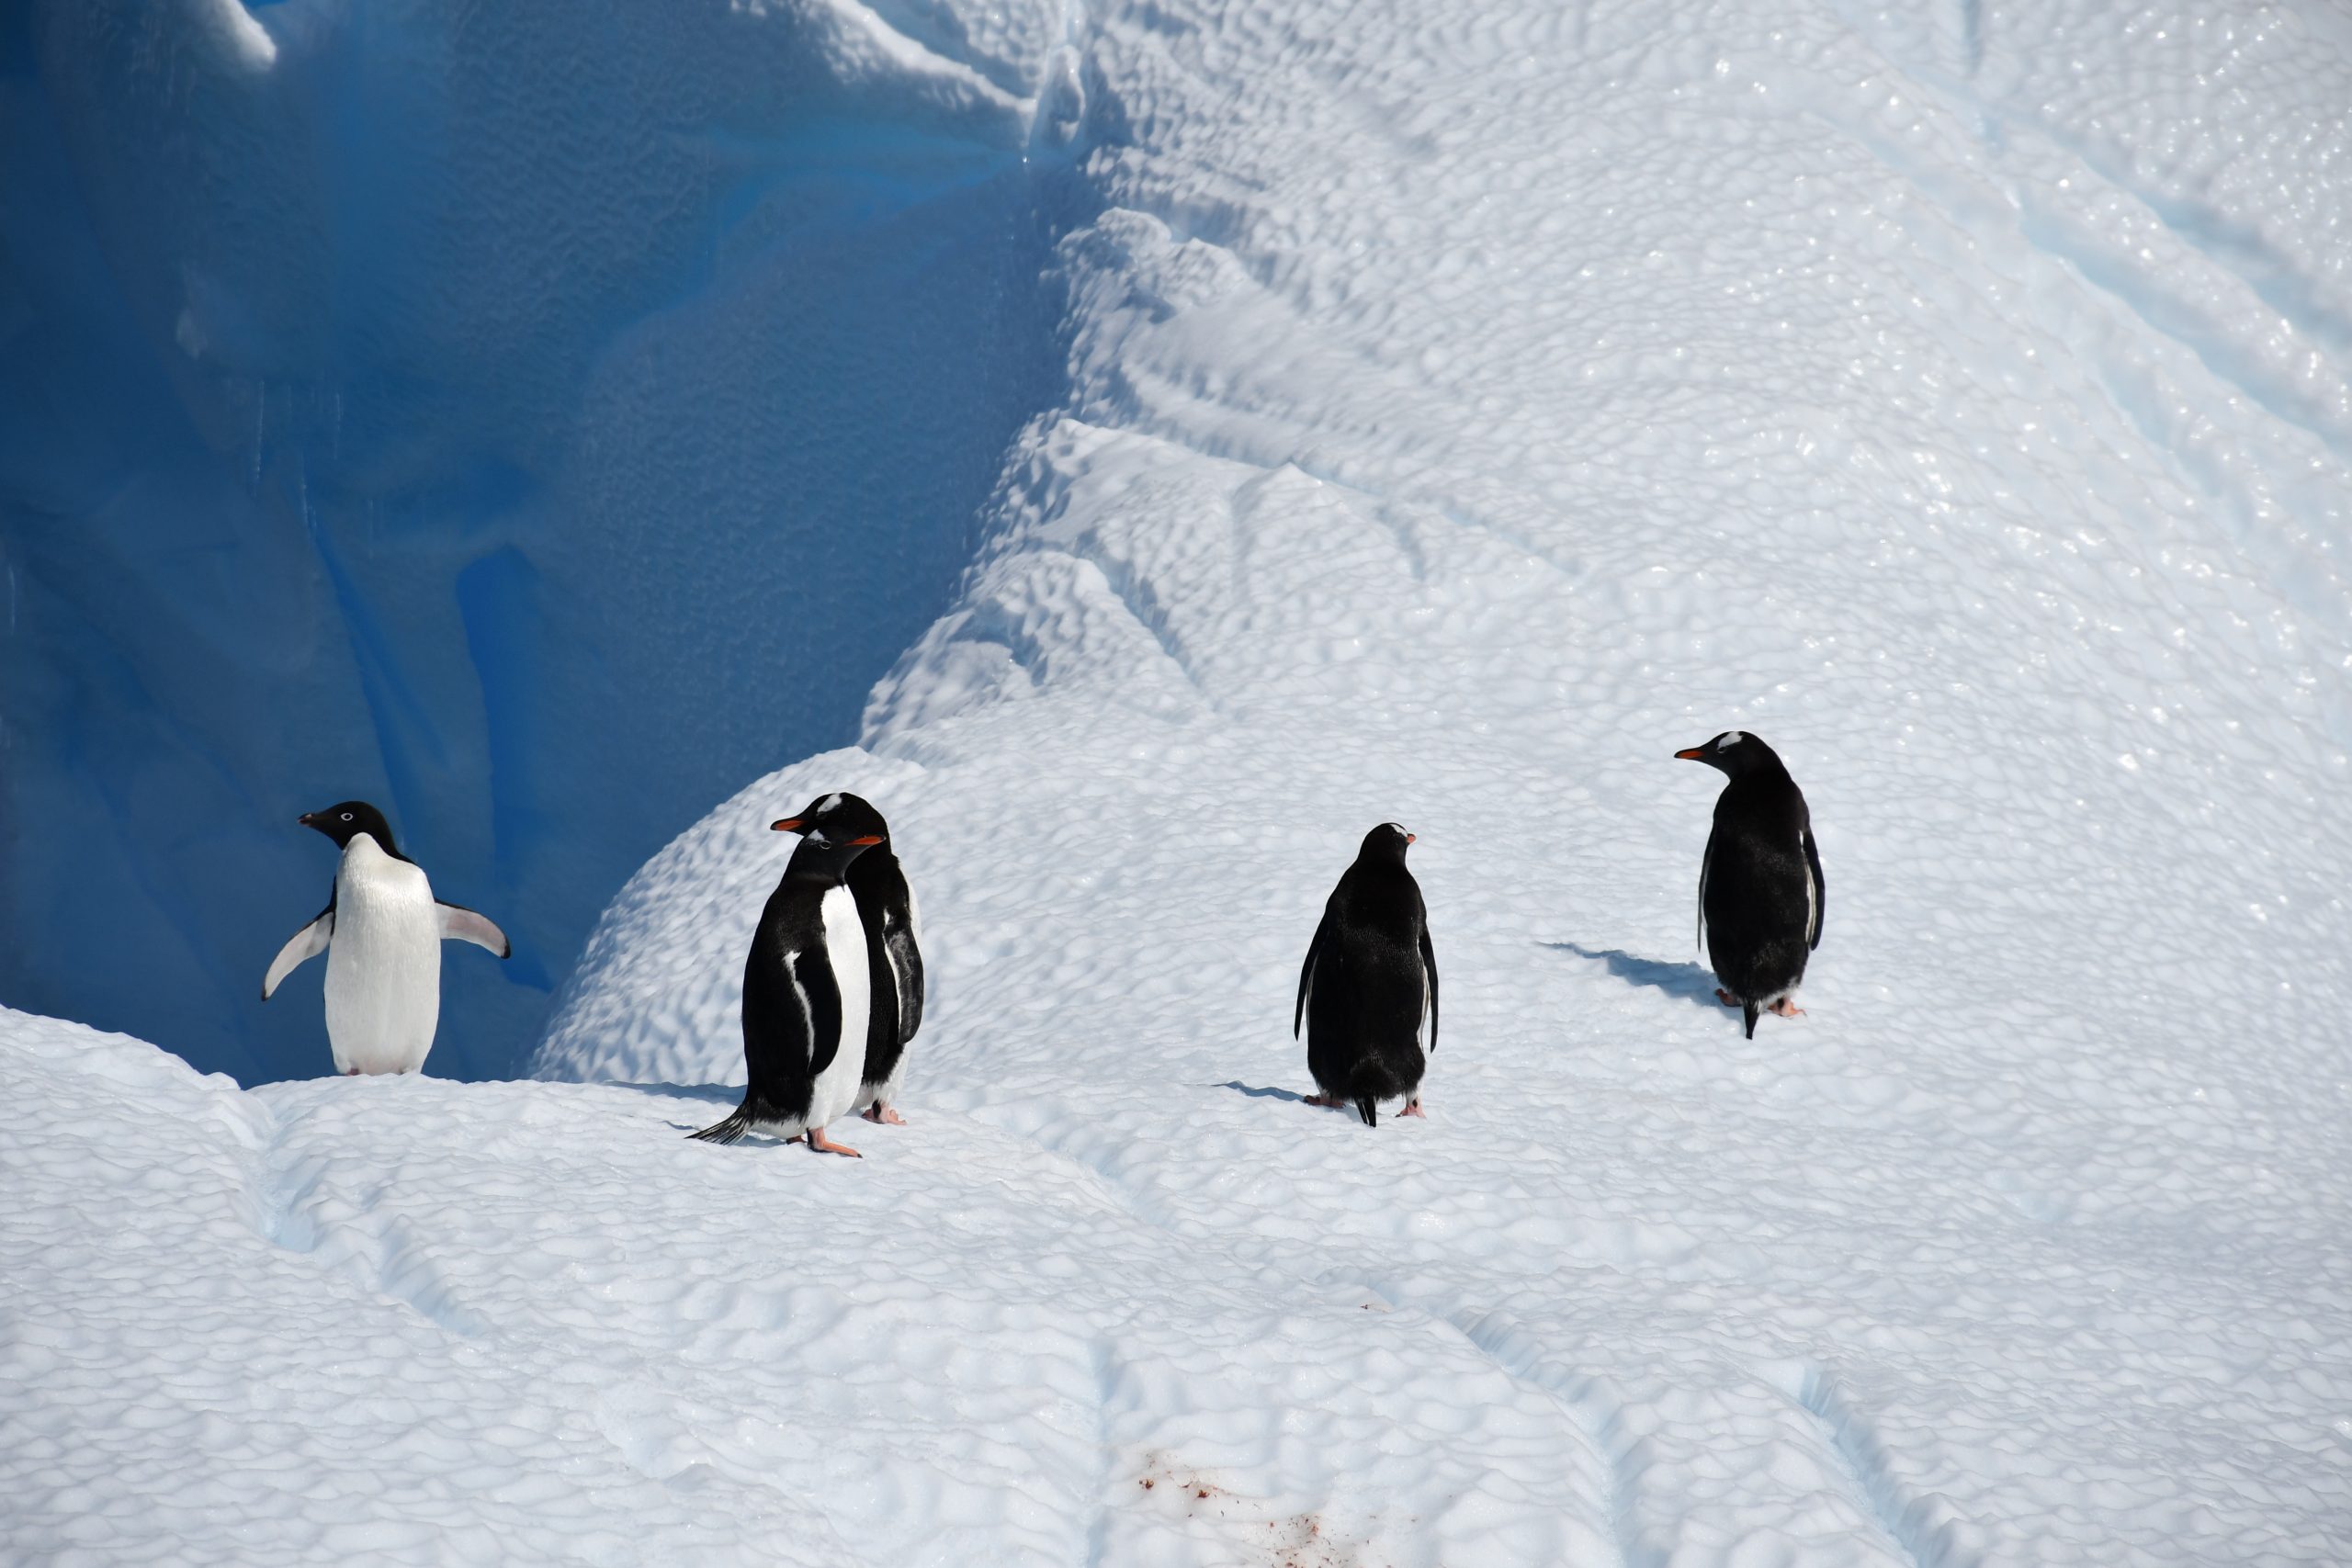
[(1696, 754), (1413, 838), (789, 825), (869, 839)]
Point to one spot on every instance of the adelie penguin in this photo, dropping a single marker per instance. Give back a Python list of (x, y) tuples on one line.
[(806, 988), (1760, 893), (1369, 984), (382, 931)]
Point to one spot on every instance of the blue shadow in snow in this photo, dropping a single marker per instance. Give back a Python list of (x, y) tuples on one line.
[(1238, 1086), (1695, 983)]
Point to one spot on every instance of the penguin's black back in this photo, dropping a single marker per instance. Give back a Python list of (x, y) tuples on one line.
[(885, 909), (785, 1046), (1760, 895), (1366, 984)]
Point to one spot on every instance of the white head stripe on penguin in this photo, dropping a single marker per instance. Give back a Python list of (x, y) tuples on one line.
[(1730, 738)]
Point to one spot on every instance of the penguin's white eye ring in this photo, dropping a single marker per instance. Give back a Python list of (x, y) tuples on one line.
[(347, 816)]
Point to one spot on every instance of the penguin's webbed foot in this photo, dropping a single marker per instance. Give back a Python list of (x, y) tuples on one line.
[(1413, 1108), (1326, 1101), (883, 1115), (1785, 1007), (1727, 997), (825, 1146)]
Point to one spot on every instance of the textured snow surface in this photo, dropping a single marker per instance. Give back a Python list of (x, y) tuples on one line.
[(1468, 409)]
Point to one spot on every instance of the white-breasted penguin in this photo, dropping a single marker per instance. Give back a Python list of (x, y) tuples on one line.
[(382, 931), (1760, 893), (885, 907), (806, 992), (1369, 984)]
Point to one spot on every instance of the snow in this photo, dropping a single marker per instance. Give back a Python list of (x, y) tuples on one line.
[(1466, 411)]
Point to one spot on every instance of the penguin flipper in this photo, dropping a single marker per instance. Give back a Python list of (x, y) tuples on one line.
[(1368, 1107), (300, 949), (1820, 899), (1748, 1012), (1307, 973), (1429, 968), (821, 995), (461, 924), (1706, 862), (906, 971)]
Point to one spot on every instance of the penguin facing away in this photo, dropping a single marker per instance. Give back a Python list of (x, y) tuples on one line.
[(1760, 893), (885, 909), (806, 991), (1369, 983), (382, 931)]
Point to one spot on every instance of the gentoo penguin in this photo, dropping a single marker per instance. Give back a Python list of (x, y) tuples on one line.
[(1369, 983), (885, 907), (382, 931), (805, 990), (1760, 893)]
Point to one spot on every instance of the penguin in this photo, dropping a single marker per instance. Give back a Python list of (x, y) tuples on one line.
[(885, 909), (382, 931), (1369, 983), (806, 988), (1760, 893)]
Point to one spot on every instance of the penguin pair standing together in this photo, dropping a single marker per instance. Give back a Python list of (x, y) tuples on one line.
[(1370, 979), (833, 987)]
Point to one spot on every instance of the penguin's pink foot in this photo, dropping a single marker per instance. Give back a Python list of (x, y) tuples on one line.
[(1413, 1108), (797, 1138), (1725, 998), (883, 1115), (825, 1146), (1785, 1007), (1328, 1101), (351, 1072)]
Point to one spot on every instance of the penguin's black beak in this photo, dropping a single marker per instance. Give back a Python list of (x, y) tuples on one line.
[(789, 825), (308, 820), (1696, 754)]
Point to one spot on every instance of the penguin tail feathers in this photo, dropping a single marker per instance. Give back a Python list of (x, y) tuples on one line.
[(729, 1131), (1748, 1010), (1370, 1110)]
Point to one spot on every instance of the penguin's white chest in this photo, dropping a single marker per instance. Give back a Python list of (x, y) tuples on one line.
[(383, 980), (835, 1091)]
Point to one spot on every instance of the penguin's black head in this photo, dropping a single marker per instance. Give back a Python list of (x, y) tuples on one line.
[(346, 822), (1735, 753), (842, 825), (836, 818), (1386, 842)]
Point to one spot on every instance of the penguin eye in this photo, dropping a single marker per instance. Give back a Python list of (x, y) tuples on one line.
[(347, 816)]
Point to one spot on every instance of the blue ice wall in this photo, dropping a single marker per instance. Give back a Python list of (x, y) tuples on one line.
[(537, 419)]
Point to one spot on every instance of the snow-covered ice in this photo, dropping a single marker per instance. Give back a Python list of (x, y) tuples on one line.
[(1467, 410)]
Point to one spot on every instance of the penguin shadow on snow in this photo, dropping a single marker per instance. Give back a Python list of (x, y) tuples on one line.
[(1695, 983), (709, 1093), (1256, 1091)]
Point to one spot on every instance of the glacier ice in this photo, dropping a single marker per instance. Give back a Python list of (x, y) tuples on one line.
[(534, 424)]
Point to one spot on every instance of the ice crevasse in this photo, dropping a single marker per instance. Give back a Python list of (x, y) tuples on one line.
[(535, 423)]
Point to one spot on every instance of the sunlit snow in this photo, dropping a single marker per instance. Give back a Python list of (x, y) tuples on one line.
[(1466, 407)]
